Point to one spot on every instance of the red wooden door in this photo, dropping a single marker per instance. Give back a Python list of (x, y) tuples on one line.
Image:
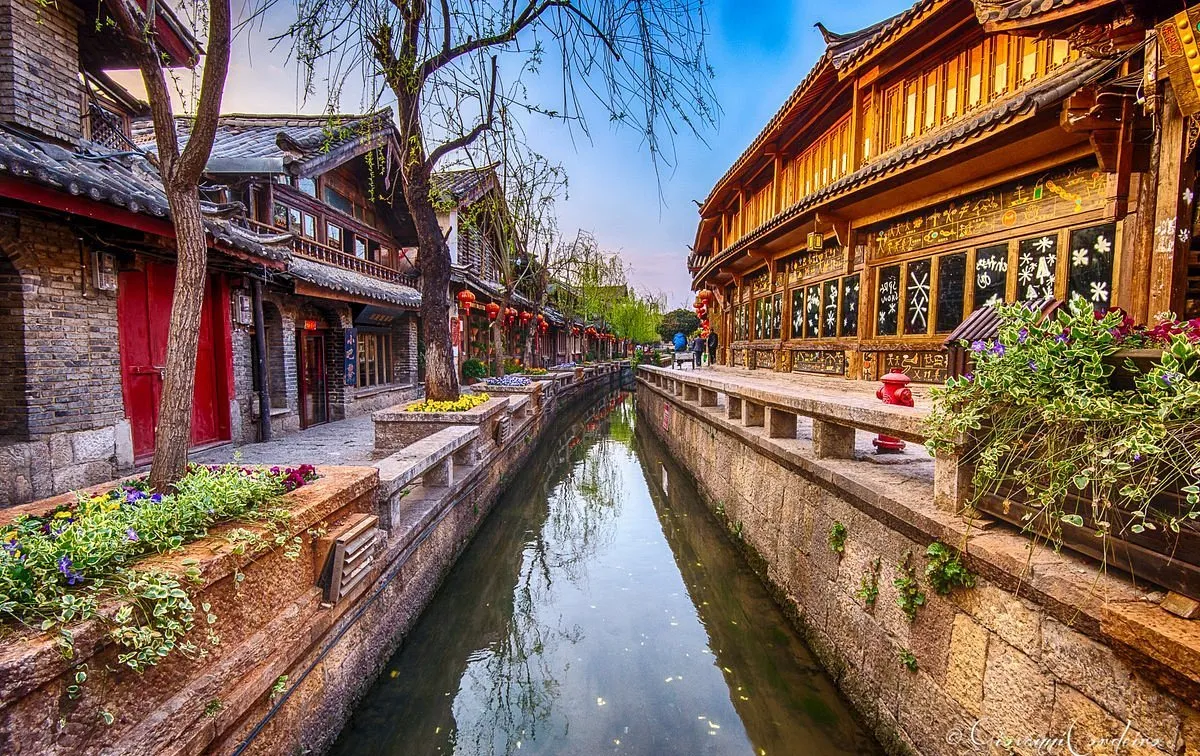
[(313, 391), (143, 313)]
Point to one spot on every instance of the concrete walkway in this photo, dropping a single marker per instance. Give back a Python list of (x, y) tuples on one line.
[(807, 383), (344, 442)]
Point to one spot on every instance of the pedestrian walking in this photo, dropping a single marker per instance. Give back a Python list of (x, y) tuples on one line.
[(712, 348), (698, 347)]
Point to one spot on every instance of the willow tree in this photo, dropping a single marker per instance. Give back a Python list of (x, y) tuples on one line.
[(449, 65), (180, 170)]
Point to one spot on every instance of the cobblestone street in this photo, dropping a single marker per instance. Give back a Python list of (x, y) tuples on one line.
[(344, 442)]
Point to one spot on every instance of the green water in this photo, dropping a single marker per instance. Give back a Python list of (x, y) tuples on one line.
[(593, 613)]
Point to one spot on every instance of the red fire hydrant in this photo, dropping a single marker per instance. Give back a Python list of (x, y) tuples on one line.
[(894, 390)]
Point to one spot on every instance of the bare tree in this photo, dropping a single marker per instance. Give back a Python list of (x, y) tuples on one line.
[(181, 171), (644, 62)]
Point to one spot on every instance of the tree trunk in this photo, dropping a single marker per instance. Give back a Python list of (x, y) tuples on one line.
[(173, 433), (441, 375)]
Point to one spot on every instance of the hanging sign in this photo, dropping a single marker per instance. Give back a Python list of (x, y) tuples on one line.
[(1181, 57), (351, 357)]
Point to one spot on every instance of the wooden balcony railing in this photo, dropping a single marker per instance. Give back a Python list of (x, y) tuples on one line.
[(314, 250)]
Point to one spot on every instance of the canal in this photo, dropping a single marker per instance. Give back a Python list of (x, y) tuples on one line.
[(593, 615)]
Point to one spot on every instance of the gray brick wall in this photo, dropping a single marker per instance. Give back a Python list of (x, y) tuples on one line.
[(60, 375), (39, 67)]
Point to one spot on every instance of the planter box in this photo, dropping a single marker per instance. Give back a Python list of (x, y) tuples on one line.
[(1122, 379), (396, 427), (1169, 559)]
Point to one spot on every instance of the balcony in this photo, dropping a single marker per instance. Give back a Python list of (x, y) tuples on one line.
[(314, 250)]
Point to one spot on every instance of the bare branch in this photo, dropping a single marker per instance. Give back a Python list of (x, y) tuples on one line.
[(465, 140)]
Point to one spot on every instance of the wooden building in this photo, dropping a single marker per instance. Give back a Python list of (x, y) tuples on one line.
[(951, 156)]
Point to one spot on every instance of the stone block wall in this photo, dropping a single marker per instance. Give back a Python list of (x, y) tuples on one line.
[(39, 67), (64, 420), (998, 666)]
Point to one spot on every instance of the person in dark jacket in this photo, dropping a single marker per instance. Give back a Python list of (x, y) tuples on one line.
[(712, 348), (698, 347)]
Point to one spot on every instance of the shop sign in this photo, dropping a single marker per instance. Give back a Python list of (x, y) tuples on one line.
[(1058, 194), (351, 356), (1181, 57)]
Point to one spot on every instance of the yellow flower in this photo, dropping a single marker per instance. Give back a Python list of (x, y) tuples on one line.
[(62, 514)]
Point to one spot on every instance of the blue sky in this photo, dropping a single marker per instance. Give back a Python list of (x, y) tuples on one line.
[(759, 50)]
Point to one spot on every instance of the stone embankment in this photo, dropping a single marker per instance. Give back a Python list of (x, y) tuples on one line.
[(301, 637), (1045, 646)]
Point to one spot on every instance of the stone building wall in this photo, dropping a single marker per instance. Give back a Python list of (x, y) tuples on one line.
[(39, 67), (64, 421), (1019, 656)]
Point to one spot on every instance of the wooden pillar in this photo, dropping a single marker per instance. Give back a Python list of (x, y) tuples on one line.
[(1172, 214)]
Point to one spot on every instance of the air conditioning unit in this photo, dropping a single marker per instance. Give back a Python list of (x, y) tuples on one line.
[(344, 555)]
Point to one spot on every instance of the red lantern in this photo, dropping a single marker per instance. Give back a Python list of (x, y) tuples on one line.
[(704, 295), (493, 310), (526, 317), (466, 298), (590, 331)]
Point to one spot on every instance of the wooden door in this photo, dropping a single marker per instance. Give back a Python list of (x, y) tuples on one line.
[(143, 315), (314, 402)]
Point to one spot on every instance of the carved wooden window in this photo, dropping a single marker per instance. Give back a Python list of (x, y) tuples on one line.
[(951, 289), (975, 86), (953, 76), (931, 100), (812, 312), (912, 105), (1028, 53), (1037, 266), (869, 125), (850, 305), (918, 283), (776, 314), (887, 301), (1091, 264), (797, 331), (374, 358), (990, 276), (893, 117), (1000, 67), (829, 307)]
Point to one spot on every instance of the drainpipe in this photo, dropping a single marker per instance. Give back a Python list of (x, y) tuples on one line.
[(260, 365)]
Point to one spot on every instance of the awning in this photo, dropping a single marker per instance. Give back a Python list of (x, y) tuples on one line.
[(356, 285)]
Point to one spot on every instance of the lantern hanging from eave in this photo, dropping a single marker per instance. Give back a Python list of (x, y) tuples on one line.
[(526, 316), (704, 295), (466, 298), (493, 310), (590, 331)]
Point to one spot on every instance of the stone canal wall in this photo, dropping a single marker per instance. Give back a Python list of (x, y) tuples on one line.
[(1044, 648), (295, 646)]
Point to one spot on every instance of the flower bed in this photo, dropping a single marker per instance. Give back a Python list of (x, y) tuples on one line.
[(1062, 452), (509, 380), (61, 566), (463, 403), (535, 371)]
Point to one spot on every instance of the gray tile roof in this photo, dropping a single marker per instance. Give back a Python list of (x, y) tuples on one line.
[(125, 180), (466, 185), (349, 282), (296, 144)]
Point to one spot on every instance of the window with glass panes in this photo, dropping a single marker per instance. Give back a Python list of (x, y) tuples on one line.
[(374, 358)]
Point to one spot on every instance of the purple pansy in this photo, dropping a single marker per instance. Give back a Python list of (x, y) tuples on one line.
[(131, 535), (999, 349), (978, 345), (1022, 335)]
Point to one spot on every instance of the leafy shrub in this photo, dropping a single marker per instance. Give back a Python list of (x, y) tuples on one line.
[(1048, 424), (909, 597), (535, 371), (945, 570), (61, 567), (837, 538), (474, 370), (512, 365), (461, 404)]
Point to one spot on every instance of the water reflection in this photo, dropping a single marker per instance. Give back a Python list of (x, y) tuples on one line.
[(594, 615)]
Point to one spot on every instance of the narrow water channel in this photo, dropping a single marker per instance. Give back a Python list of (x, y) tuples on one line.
[(593, 615)]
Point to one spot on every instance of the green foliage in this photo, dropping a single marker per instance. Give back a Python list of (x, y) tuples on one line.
[(280, 687), (213, 707), (63, 567), (737, 530), (636, 318), (1048, 424), (512, 365), (945, 570), (907, 659), (868, 587), (678, 321), (909, 596), (837, 538), (474, 369)]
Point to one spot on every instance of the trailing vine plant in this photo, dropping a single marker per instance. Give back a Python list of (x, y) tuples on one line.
[(868, 587), (1045, 424), (909, 596), (837, 538)]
